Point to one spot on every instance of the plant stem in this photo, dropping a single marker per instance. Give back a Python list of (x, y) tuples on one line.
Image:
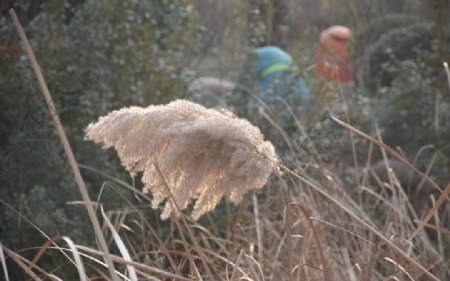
[(66, 145)]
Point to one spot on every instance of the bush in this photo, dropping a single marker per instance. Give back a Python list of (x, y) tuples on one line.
[(402, 73), (101, 55)]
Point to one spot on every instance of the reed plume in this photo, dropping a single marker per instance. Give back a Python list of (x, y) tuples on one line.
[(203, 154)]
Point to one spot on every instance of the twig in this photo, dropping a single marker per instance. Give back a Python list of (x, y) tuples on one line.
[(439, 201), (66, 145), (388, 149)]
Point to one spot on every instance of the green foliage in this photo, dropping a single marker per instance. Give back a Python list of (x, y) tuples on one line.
[(381, 61), (370, 33), (402, 73), (105, 55)]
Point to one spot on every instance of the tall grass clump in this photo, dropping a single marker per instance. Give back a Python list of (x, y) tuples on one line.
[(201, 153)]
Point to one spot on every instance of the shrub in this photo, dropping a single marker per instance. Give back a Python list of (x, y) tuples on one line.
[(85, 53)]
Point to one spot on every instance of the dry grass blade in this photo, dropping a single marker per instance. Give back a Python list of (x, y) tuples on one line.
[(388, 149), (400, 267), (174, 205), (76, 256), (103, 274), (2, 259), (65, 143), (49, 240), (360, 221), (438, 203), (257, 227), (137, 265), (116, 180), (22, 262), (196, 273), (348, 265), (447, 72), (22, 265), (122, 248), (260, 272), (236, 268), (435, 227), (42, 250), (345, 230), (147, 277), (310, 144), (326, 274)]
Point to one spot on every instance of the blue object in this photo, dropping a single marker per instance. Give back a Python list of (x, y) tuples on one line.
[(277, 74)]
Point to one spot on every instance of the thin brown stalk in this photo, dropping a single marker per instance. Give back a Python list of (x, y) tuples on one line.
[(288, 226), (430, 213), (192, 236), (17, 259), (388, 149), (257, 227), (435, 227), (348, 264), (37, 228), (358, 218), (447, 72), (65, 143), (437, 101), (160, 243), (43, 249), (362, 222), (400, 267), (137, 265), (311, 148), (352, 140), (326, 271)]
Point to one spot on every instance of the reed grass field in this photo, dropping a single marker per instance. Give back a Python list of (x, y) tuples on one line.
[(140, 181)]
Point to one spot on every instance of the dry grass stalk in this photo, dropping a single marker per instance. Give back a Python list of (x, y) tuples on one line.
[(382, 145), (77, 258), (203, 153), (3, 261), (447, 72), (65, 142), (28, 266)]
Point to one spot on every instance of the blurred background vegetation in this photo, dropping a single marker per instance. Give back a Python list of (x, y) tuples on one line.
[(102, 55)]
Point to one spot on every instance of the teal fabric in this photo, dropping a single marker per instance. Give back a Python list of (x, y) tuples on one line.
[(275, 79), (269, 55)]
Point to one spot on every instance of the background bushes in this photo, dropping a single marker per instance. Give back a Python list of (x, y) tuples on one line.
[(96, 56)]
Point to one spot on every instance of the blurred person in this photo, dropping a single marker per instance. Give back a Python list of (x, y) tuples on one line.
[(333, 56), (278, 77), (270, 69), (269, 87)]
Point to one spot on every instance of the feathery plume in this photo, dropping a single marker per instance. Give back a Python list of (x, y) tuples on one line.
[(203, 154)]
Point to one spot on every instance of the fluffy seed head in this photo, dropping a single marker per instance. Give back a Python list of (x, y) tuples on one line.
[(202, 153)]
